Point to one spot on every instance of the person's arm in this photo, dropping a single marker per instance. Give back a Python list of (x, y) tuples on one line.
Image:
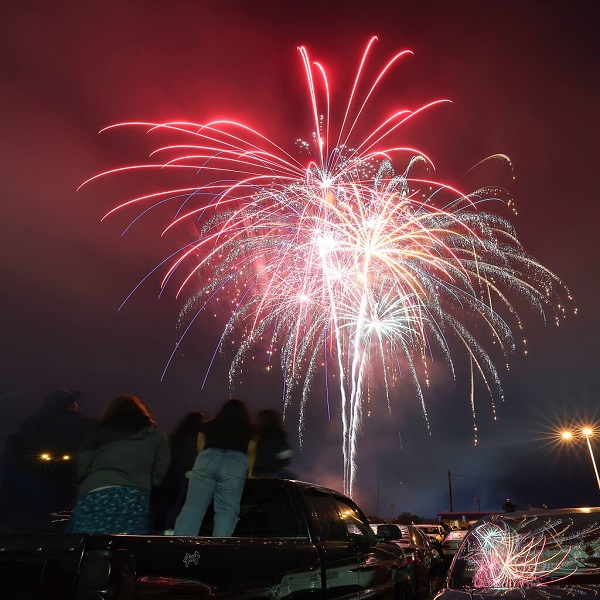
[(251, 457)]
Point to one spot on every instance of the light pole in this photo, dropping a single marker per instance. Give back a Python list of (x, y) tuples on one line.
[(587, 433)]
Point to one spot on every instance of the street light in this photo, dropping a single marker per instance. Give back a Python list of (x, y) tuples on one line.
[(587, 433)]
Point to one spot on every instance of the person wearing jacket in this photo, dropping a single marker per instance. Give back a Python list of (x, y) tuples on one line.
[(118, 463)]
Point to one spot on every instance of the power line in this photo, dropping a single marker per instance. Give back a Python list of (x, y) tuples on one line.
[(475, 478), (405, 481), (380, 485)]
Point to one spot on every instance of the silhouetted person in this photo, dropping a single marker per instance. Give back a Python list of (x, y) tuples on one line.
[(273, 452), (169, 496), (37, 464)]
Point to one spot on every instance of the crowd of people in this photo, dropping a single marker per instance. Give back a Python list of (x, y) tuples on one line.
[(122, 474)]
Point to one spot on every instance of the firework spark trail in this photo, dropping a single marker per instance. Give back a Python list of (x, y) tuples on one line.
[(339, 254)]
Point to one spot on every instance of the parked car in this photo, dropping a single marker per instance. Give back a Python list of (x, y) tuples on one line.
[(524, 555), (293, 540), (452, 542), (420, 555), (435, 534), (433, 531)]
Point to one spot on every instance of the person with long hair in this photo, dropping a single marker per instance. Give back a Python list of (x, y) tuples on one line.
[(226, 454), (273, 452), (118, 463), (167, 499)]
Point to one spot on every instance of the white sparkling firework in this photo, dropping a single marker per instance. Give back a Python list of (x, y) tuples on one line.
[(343, 258)]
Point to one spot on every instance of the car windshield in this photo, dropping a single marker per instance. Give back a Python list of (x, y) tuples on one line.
[(523, 551), (427, 529)]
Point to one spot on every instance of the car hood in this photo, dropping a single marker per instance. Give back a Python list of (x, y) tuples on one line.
[(546, 592), (540, 592)]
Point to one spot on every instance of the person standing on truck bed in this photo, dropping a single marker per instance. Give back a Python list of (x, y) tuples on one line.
[(273, 452), (226, 456), (118, 463), (167, 499)]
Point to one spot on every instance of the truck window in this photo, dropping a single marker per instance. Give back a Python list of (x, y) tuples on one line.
[(338, 518), (356, 525), (325, 516)]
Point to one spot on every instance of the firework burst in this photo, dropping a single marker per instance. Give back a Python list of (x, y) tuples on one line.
[(340, 252)]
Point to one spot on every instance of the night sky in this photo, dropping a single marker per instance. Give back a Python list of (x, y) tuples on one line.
[(523, 80)]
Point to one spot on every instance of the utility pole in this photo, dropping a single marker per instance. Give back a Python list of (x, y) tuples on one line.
[(478, 500), (450, 489)]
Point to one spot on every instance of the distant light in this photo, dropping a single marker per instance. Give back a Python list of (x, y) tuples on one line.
[(566, 435), (45, 456), (66, 457), (587, 431)]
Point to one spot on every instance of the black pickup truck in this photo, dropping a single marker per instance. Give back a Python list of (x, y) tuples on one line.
[(294, 541)]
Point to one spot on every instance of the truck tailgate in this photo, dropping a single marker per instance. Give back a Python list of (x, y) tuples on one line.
[(40, 566)]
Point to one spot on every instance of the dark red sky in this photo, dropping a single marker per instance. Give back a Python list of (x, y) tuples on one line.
[(523, 78)]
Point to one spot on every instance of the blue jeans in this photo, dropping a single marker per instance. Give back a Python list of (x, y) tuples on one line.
[(218, 474)]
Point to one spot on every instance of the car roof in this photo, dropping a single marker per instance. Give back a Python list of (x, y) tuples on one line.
[(456, 534), (539, 512)]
